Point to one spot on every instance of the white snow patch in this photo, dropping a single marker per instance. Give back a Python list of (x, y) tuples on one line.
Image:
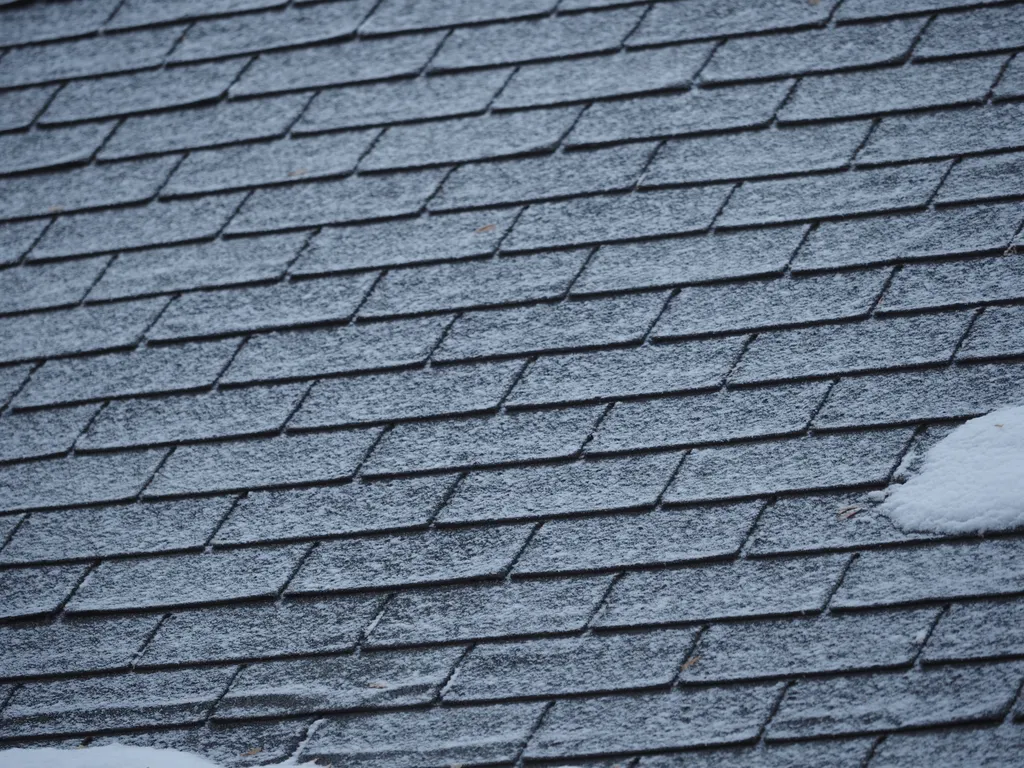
[(971, 481), (111, 756)]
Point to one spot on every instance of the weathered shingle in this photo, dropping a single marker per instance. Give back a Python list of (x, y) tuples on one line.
[(705, 18), (402, 15), (653, 538)]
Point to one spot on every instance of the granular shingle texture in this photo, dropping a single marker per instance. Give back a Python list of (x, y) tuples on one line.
[(419, 383)]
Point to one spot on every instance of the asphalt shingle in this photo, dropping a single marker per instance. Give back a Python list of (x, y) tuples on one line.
[(561, 344)]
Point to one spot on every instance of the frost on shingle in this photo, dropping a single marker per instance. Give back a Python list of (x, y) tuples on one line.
[(506, 381)]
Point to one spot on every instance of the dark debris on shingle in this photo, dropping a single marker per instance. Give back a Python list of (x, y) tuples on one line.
[(430, 382)]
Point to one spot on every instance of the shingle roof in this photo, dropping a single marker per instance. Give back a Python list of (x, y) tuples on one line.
[(432, 382)]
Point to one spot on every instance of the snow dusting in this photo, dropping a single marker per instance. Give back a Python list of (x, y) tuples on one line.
[(972, 481)]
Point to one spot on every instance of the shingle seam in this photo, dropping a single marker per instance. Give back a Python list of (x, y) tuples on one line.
[(208, 545), (147, 641)]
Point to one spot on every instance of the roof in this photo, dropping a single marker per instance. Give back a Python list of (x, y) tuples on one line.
[(433, 382)]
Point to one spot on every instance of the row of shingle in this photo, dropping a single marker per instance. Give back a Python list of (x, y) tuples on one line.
[(682, 420), (506, 133), (816, 707), (553, 37)]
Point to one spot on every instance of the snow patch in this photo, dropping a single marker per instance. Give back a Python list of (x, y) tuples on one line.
[(971, 481), (111, 756)]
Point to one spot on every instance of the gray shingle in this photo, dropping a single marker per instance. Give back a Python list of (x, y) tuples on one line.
[(142, 91), (945, 132), (536, 178), (429, 557), (799, 464), (822, 523), (227, 413), (407, 241), (617, 373), (848, 753), (798, 53), (695, 111), (998, 333), (12, 378), (955, 284), (278, 162), (470, 138), (263, 462), (980, 178), (445, 736), (549, 38), (19, 108), (978, 630), (116, 229), (887, 702), (707, 18), (334, 510), (722, 591), (51, 148), (626, 73), (402, 100), (260, 630), (892, 89), (333, 202), (903, 237), (161, 582), (756, 153), (88, 645), (53, 20), (500, 439), (1011, 84), (250, 33), (700, 259), (975, 31), (17, 238), (895, 342), (37, 591), (281, 305), (956, 392), (122, 701), (224, 123), (88, 56), (697, 419), (447, 287), (404, 15), (337, 64), (45, 286), (148, 370), (386, 397), (827, 644), (485, 611), (868, 9), (205, 265), (652, 538), (94, 186), (142, 13), (688, 718), (550, 327), (606, 218), (732, 307), (34, 434), (573, 665), (956, 749), (71, 331), (565, 489), (303, 354), (94, 532), (933, 573), (831, 195), (338, 683)]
